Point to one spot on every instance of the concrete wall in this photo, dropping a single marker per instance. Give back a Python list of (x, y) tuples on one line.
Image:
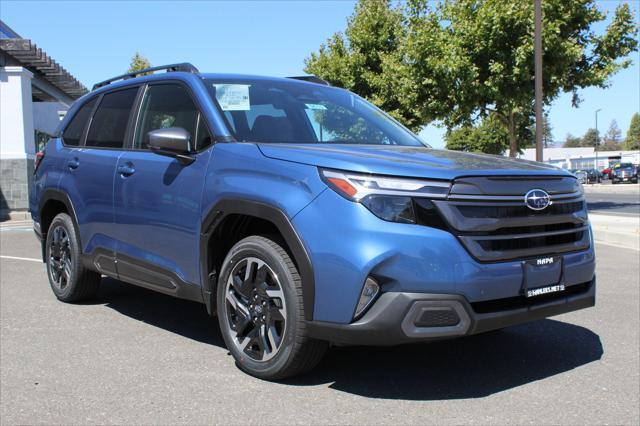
[(15, 182), (17, 147), (46, 116)]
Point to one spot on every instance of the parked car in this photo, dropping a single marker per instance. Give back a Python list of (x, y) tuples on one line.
[(608, 172), (581, 175), (625, 172), (302, 216), (593, 176)]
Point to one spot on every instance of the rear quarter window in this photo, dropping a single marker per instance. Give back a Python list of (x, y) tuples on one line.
[(73, 133)]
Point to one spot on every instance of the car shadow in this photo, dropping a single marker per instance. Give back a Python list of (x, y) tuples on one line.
[(470, 367), (594, 206), (183, 317)]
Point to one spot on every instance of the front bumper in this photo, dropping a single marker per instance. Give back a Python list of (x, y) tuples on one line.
[(398, 317)]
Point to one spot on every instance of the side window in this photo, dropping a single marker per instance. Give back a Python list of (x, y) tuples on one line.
[(73, 133), (203, 137), (165, 105), (109, 123)]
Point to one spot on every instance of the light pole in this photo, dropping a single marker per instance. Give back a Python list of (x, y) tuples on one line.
[(538, 75), (597, 139)]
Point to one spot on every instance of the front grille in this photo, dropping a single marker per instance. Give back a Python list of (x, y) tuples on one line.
[(491, 220), (475, 211)]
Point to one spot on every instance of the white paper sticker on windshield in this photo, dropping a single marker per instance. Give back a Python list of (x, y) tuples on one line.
[(318, 107), (233, 97)]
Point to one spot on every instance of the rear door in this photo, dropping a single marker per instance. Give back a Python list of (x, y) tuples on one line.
[(90, 174), (157, 197)]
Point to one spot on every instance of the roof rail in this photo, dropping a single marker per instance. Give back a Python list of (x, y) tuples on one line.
[(185, 66), (311, 79)]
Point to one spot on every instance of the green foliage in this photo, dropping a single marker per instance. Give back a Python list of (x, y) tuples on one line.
[(138, 63), (572, 141), (633, 134), (460, 61), (611, 146), (490, 137), (590, 138), (365, 58), (613, 134)]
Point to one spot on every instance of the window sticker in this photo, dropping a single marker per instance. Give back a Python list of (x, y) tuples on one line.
[(318, 107), (233, 97)]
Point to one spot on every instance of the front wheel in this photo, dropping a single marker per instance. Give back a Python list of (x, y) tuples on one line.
[(261, 311)]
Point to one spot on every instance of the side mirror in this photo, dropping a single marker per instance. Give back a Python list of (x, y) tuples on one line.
[(172, 141)]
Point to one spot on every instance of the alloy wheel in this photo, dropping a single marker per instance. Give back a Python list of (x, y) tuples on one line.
[(256, 310), (60, 266)]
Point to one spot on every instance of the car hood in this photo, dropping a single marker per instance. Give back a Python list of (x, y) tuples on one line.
[(406, 161)]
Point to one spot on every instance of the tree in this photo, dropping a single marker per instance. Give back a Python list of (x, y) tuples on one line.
[(590, 138), (571, 141), (489, 137), (611, 146), (138, 63), (547, 134), (613, 134), (633, 134), (462, 60), (365, 58)]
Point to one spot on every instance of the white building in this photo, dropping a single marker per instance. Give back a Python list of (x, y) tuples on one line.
[(35, 93), (582, 158)]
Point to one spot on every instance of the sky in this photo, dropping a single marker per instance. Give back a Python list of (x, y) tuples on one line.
[(95, 40)]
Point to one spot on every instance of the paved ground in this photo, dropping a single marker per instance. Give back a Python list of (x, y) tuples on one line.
[(621, 199), (134, 356)]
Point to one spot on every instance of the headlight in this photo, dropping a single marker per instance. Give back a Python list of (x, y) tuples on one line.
[(389, 198)]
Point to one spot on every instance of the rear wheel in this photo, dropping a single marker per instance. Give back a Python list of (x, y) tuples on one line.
[(261, 312), (69, 279)]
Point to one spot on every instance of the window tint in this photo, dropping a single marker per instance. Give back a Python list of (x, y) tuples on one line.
[(73, 132), (165, 105), (203, 138), (109, 123)]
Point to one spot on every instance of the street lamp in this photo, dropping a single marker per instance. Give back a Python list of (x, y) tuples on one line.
[(597, 139)]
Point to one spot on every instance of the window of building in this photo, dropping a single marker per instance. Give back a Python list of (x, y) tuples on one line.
[(109, 123)]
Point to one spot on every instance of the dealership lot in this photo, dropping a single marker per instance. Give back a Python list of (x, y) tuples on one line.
[(619, 200), (134, 356)]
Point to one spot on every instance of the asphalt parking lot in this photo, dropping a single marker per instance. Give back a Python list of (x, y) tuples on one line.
[(134, 356), (619, 200)]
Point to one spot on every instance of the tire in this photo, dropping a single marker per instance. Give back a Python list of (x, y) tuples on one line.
[(261, 311), (69, 279)]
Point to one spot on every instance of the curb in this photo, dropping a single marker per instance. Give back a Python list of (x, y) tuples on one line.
[(8, 215), (620, 231)]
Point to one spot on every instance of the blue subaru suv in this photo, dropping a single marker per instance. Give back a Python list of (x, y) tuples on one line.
[(301, 216)]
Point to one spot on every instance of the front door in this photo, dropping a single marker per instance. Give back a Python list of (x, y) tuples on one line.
[(157, 198)]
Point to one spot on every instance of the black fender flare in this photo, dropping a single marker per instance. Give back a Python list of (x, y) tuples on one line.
[(61, 196), (229, 206)]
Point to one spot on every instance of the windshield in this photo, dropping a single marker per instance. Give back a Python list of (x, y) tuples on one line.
[(276, 111)]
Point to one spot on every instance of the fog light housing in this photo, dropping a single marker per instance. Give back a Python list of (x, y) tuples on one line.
[(369, 292)]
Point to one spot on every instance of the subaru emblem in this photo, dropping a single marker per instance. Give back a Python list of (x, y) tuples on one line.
[(537, 199)]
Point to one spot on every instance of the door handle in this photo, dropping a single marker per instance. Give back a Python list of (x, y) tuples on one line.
[(73, 164), (126, 169)]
